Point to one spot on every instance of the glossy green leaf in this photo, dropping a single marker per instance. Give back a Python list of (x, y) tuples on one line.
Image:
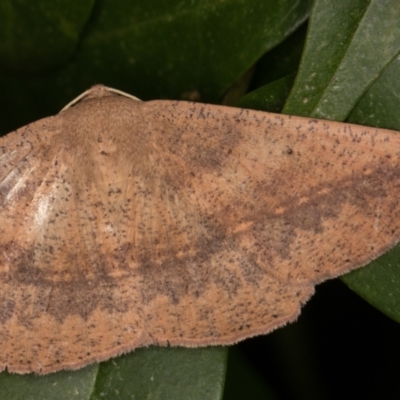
[(379, 283), (379, 106), (163, 373), (63, 385), (349, 45)]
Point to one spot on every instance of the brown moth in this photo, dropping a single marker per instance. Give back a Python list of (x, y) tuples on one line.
[(127, 223)]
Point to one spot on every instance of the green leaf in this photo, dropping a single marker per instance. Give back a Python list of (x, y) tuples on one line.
[(379, 106), (164, 373), (195, 33), (379, 282), (64, 385), (349, 45), (150, 373), (274, 75), (269, 97), (157, 49), (37, 36), (282, 60)]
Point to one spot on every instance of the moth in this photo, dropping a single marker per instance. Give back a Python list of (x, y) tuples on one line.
[(126, 223)]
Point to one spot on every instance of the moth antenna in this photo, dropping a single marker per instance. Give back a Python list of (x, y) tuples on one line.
[(97, 88)]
